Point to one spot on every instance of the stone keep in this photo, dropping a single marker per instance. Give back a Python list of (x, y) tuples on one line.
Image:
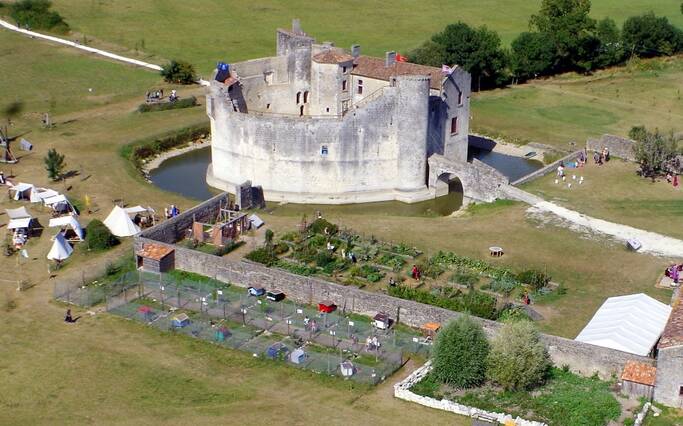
[(315, 124)]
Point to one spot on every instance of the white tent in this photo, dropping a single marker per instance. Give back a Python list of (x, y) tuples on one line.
[(132, 211), (631, 323), (256, 221), (61, 249), (119, 223), (22, 222), (17, 213), (22, 191), (68, 221), (59, 203), (38, 195)]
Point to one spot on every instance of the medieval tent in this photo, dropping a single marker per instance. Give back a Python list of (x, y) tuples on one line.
[(120, 224), (69, 221), (21, 191), (60, 248)]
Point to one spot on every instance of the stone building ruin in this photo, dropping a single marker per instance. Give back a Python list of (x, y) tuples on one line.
[(318, 124)]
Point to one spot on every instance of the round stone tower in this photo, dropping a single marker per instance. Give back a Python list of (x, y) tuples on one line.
[(412, 123)]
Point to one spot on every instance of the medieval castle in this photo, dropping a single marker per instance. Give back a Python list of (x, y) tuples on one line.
[(315, 124)]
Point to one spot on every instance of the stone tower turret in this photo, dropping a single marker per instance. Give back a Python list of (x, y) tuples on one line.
[(412, 121)]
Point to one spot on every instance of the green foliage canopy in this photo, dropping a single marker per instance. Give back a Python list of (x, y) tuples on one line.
[(36, 14), (98, 236), (54, 164), (459, 353), (179, 72)]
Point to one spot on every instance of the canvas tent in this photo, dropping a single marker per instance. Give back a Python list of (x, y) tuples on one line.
[(60, 248), (132, 211), (19, 218), (69, 221), (631, 323), (17, 213), (120, 224), (38, 195), (21, 191), (59, 203)]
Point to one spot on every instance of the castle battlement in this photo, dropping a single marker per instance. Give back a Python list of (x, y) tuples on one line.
[(318, 124)]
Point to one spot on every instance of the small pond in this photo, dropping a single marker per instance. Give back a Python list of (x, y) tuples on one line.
[(186, 175)]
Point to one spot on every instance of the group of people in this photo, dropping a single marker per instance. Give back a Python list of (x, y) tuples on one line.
[(157, 95), (372, 343), (171, 211), (310, 325), (601, 158)]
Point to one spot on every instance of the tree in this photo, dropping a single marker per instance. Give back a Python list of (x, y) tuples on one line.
[(533, 55), (568, 25), (268, 239), (98, 236), (611, 50), (430, 53), (54, 164), (653, 151), (36, 14), (649, 36), (459, 353), (179, 72), (518, 359), (478, 51)]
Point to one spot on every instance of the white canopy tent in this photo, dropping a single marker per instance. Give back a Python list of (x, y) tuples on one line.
[(132, 211), (17, 213), (631, 323), (22, 191), (70, 221), (21, 223), (61, 249), (38, 195), (119, 223), (59, 203)]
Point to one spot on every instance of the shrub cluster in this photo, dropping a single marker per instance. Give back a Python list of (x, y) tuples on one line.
[(98, 236), (146, 148), (563, 38), (459, 353), (534, 278), (164, 106), (36, 15), (474, 302), (262, 255), (179, 72)]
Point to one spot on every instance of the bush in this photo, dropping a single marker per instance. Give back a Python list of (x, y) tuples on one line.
[(280, 248), (649, 36), (296, 268), (428, 386), (323, 258), (98, 237), (504, 285), (518, 360), (320, 225), (459, 353), (464, 278), (262, 255), (476, 303), (164, 106), (512, 314), (36, 14), (535, 278), (142, 149), (654, 152), (179, 72)]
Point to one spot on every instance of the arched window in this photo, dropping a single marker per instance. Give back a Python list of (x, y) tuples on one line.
[(306, 96), (301, 111), (298, 98)]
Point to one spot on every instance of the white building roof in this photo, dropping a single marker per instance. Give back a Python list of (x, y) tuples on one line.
[(631, 323)]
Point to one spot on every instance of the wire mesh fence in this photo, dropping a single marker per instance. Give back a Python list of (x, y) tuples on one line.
[(298, 334)]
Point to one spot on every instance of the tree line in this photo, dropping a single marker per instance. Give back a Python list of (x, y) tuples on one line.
[(562, 37)]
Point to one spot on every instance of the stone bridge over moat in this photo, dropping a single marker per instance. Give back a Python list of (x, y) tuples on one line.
[(480, 182)]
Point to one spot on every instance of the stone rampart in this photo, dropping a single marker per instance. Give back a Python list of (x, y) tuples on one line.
[(580, 357), (617, 146)]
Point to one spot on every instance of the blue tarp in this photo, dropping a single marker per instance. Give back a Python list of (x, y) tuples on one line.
[(223, 71)]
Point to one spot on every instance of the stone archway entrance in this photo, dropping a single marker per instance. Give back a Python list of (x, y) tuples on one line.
[(447, 183)]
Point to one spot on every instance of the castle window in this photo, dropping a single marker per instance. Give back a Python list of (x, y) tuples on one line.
[(344, 85), (360, 87), (454, 125), (460, 98), (343, 70), (306, 96), (298, 98), (301, 111), (680, 391), (327, 109), (267, 106), (323, 150)]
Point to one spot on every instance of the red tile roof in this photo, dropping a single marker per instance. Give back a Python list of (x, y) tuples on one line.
[(638, 372), (332, 56), (673, 332), (154, 251), (371, 67)]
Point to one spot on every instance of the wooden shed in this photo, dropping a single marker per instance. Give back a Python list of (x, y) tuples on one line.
[(638, 379), (156, 258)]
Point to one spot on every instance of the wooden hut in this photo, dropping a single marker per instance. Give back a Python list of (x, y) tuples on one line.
[(638, 379), (156, 258)]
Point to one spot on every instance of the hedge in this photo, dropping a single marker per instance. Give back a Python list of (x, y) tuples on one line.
[(164, 106)]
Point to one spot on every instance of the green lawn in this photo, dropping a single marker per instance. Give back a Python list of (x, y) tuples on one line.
[(205, 31), (572, 108), (615, 192)]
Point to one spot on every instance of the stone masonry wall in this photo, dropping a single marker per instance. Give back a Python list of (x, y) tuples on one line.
[(580, 357), (618, 146)]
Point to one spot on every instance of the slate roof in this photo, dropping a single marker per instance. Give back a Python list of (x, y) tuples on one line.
[(154, 251), (332, 56), (639, 372), (673, 332), (372, 67)]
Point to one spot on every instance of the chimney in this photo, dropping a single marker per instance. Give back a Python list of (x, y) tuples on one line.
[(296, 26), (390, 59), (355, 50)]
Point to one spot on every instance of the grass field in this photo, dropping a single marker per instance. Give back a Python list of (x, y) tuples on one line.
[(205, 31), (571, 108), (614, 192)]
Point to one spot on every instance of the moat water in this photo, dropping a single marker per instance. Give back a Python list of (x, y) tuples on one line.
[(186, 175)]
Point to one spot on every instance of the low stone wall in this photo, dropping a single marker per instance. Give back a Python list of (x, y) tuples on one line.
[(617, 146), (581, 357), (402, 391), (547, 169)]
